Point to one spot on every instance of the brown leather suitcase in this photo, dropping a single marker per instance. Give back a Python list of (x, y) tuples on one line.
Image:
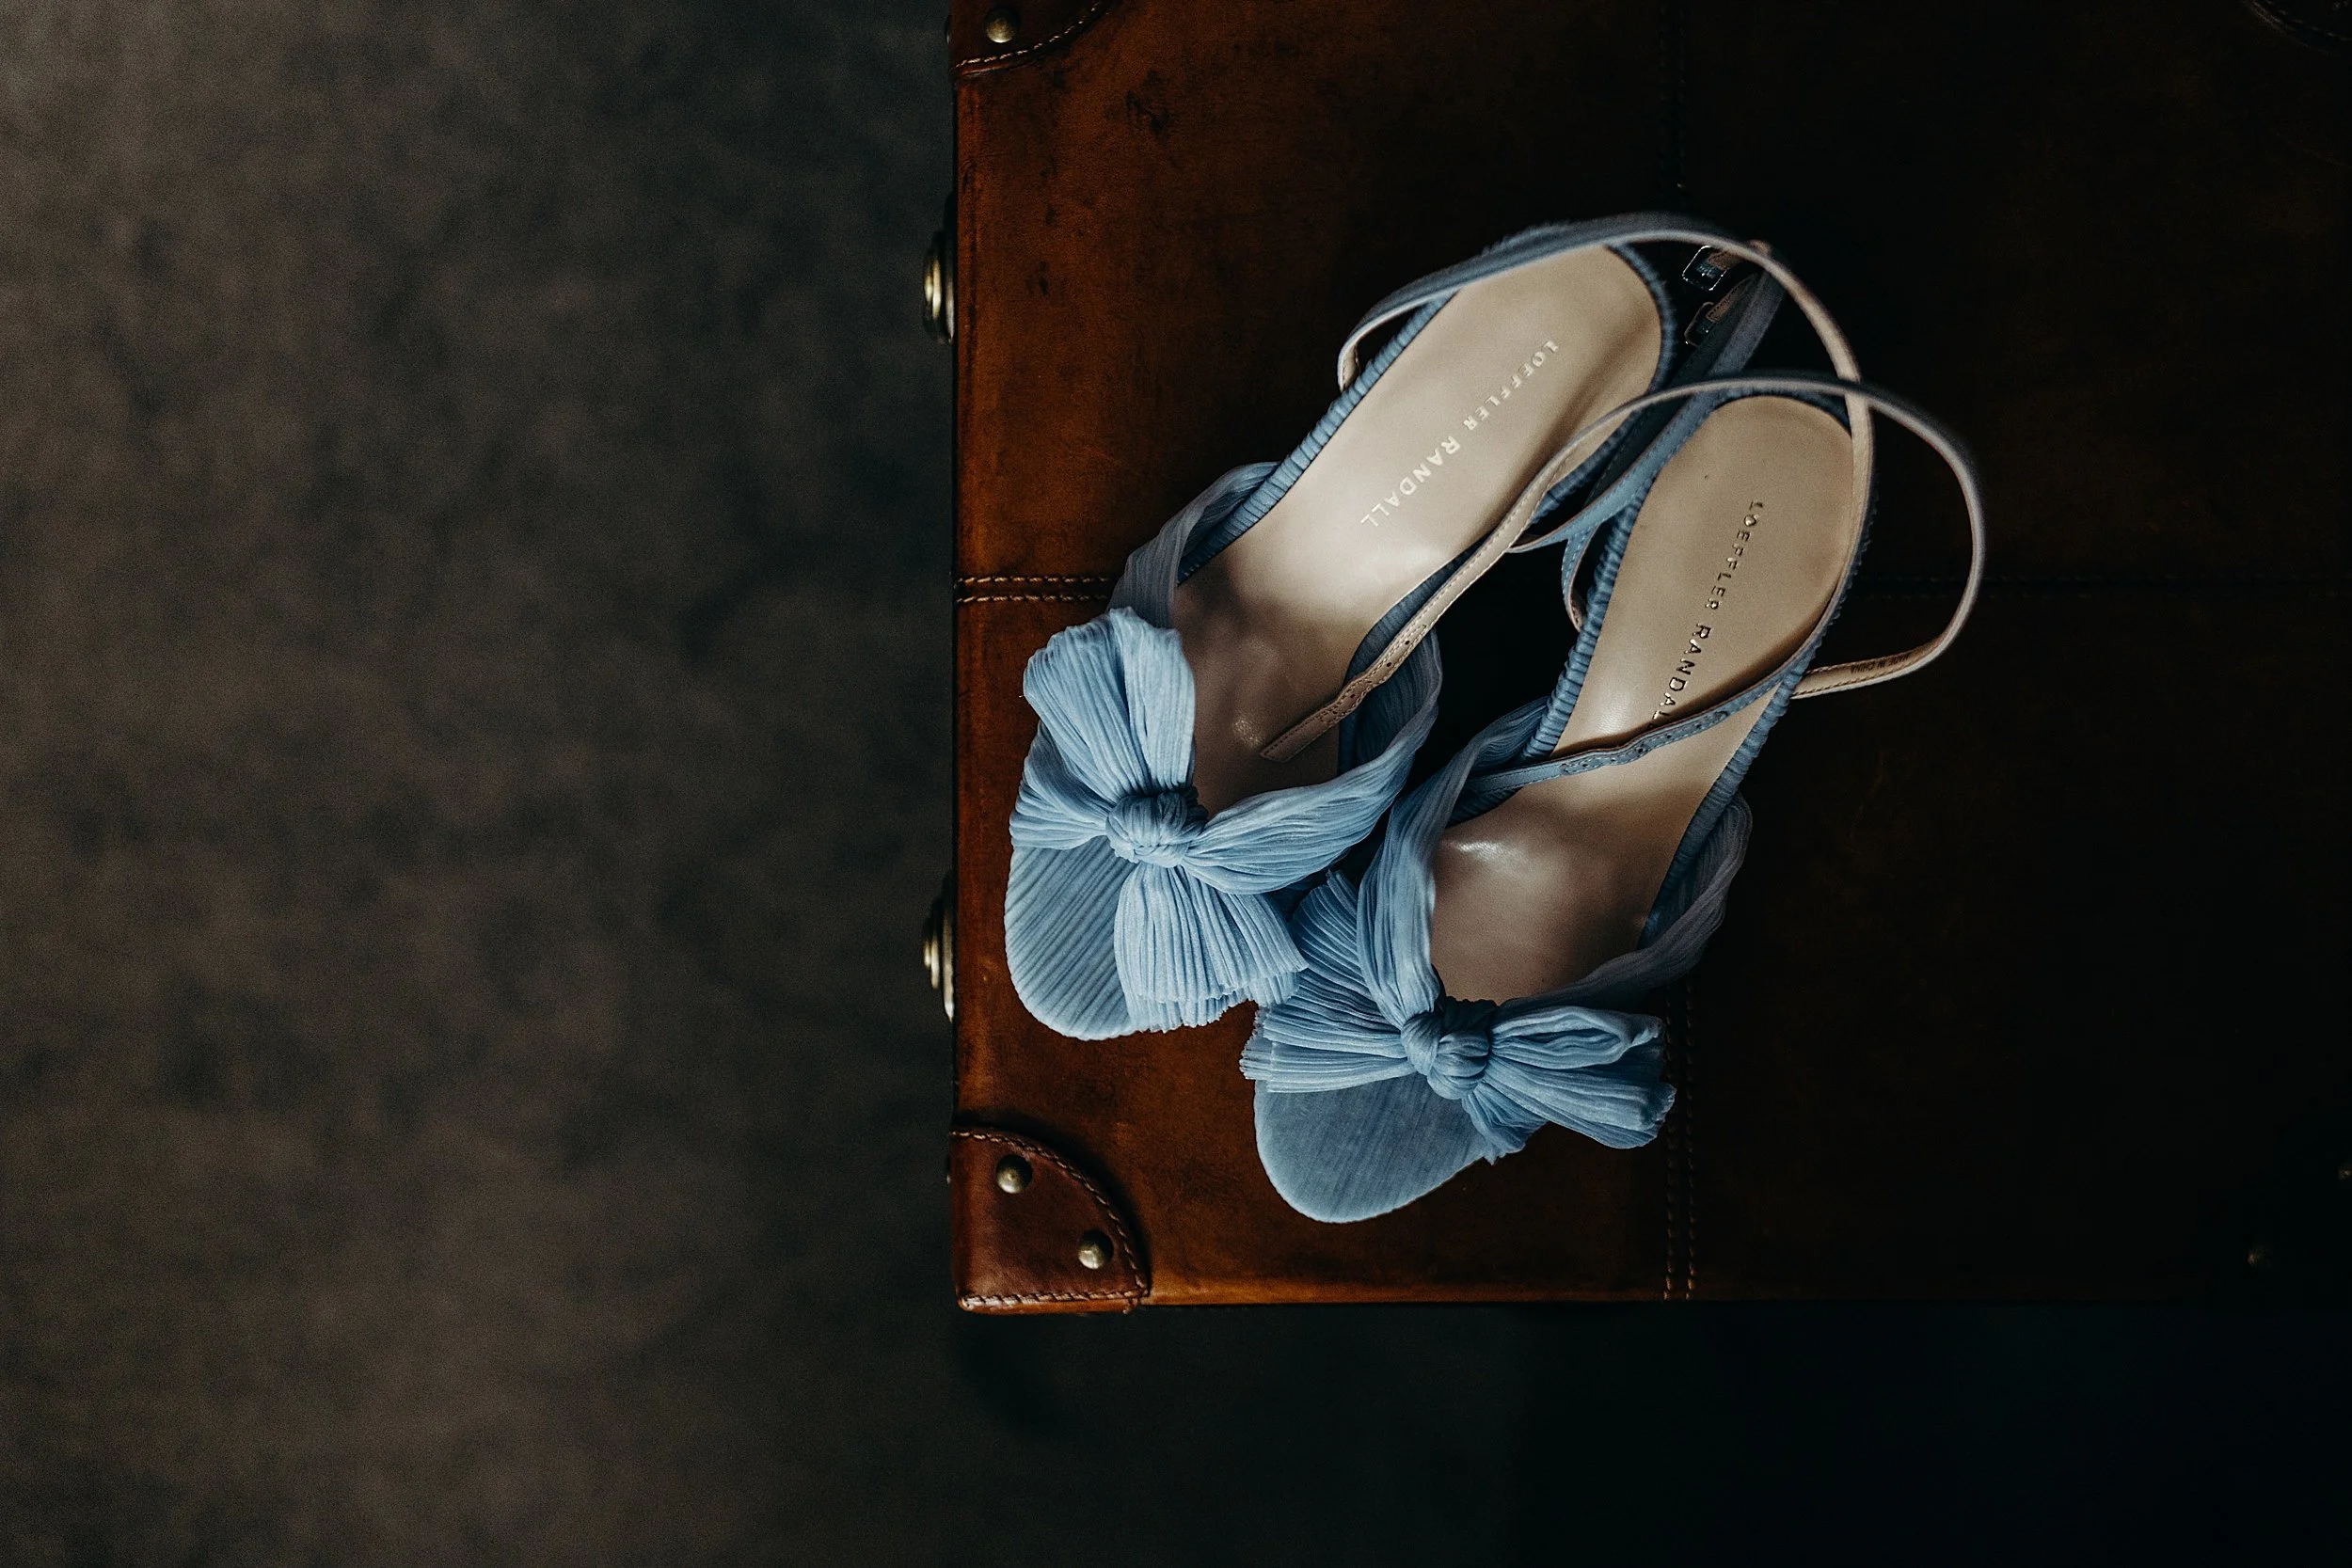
[(2032, 983)]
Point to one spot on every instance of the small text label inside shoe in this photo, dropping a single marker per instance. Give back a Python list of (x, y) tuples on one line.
[(1425, 468), (1686, 668)]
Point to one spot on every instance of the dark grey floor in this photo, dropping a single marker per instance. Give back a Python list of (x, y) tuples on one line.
[(473, 632)]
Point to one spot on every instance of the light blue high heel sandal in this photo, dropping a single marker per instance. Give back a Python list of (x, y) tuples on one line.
[(1470, 985), (1251, 704)]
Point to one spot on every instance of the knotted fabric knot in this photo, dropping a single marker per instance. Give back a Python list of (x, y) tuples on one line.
[(1155, 828), (1451, 1044), (1370, 1009), (1129, 907)]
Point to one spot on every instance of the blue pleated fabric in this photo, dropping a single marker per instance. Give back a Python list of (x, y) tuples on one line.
[(1374, 1087), (1129, 907)]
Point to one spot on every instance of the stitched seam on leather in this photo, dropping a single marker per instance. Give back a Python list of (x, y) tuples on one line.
[(1129, 1257), (991, 62), (1039, 588), (1031, 598), (971, 1299), (1066, 579)]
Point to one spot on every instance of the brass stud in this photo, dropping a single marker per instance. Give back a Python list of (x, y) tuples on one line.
[(2258, 1255), (938, 944), (1002, 26), (939, 286), (1012, 1174), (1094, 1250)]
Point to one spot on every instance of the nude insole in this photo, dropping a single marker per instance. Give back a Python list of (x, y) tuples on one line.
[(1421, 469), (1735, 557)]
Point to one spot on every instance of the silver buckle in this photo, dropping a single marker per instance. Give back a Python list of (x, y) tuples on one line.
[(1709, 268), (1711, 315)]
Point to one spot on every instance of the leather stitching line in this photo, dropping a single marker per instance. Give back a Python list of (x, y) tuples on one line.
[(1128, 1256), (992, 62), (974, 1299), (1041, 588)]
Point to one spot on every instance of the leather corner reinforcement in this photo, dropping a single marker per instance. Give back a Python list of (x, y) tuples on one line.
[(1034, 1233), (1036, 25)]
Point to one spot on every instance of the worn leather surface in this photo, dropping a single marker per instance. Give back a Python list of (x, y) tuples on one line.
[(1023, 1215), (2025, 990)]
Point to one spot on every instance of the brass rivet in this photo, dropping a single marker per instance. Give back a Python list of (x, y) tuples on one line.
[(1012, 1174), (2258, 1255), (939, 943), (1094, 1250), (1002, 26), (935, 306)]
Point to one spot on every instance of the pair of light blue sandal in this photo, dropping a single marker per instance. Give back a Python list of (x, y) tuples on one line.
[(1201, 822)]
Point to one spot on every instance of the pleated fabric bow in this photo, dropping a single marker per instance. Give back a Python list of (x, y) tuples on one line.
[(1129, 907), (1512, 1067), (1370, 1009)]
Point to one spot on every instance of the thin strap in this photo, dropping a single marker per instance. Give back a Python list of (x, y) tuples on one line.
[(1852, 677), (1753, 305), (1639, 228), (1814, 682), (1540, 245), (1409, 636)]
